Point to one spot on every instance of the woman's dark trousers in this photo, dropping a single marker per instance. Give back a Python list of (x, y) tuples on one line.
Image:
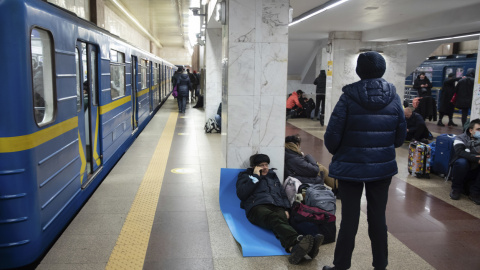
[(377, 197), (273, 218)]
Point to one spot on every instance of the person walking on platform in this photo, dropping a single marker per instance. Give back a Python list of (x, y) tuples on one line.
[(446, 107), (320, 82), (183, 86), (366, 126), (266, 205), (464, 90)]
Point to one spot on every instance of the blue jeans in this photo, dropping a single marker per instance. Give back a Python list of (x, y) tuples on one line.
[(461, 174), (182, 104)]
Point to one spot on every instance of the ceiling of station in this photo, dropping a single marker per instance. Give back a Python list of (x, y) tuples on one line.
[(378, 20)]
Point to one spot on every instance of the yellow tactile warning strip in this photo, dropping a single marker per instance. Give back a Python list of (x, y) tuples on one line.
[(131, 247)]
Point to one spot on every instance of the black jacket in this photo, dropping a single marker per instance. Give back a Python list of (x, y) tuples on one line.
[(428, 89), (414, 120), (464, 90), (467, 148), (268, 190), (321, 82), (446, 94), (183, 85), (304, 168)]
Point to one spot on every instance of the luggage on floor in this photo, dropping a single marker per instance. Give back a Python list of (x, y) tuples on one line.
[(312, 220), (419, 159), (320, 196), (444, 151), (211, 125)]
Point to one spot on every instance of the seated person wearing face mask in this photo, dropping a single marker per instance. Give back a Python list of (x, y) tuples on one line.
[(465, 162)]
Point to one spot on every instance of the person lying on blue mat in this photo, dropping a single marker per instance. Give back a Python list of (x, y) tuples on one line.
[(266, 205)]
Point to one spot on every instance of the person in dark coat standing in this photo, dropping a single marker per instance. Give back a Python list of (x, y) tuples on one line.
[(446, 107), (423, 85), (301, 166), (266, 205), (321, 83), (366, 126), (464, 90), (183, 87)]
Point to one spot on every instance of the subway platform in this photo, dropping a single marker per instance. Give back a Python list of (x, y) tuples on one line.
[(159, 209)]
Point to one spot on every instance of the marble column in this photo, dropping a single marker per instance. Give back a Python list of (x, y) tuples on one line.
[(344, 48), (213, 76), (255, 81), (475, 111)]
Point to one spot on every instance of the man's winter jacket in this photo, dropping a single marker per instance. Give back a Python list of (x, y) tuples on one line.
[(183, 85), (464, 90), (268, 190), (304, 168), (423, 91), (446, 94), (293, 100), (366, 125), (467, 148), (321, 82)]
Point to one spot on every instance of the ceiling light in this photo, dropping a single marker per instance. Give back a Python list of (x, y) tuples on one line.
[(306, 15), (444, 38)]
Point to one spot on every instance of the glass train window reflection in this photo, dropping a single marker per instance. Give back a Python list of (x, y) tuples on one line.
[(117, 74), (42, 76)]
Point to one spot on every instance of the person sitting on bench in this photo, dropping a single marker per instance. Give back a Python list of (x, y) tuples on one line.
[(266, 205), (465, 163), (416, 128)]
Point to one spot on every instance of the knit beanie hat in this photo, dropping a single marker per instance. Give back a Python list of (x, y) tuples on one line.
[(258, 158), (370, 65)]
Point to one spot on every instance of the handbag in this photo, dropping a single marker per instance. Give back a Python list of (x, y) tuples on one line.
[(174, 92), (454, 98), (312, 220)]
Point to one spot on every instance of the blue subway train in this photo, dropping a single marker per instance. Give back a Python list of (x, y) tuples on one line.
[(74, 98), (437, 68)]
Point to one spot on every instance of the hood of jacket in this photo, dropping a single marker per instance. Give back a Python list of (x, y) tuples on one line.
[(372, 94), (293, 147), (471, 72)]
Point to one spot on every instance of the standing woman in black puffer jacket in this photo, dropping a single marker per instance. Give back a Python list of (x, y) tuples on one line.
[(423, 85), (464, 90), (303, 167)]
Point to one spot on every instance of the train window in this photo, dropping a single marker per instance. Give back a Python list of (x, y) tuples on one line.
[(42, 76), (79, 79), (459, 72), (144, 73), (93, 69), (117, 74)]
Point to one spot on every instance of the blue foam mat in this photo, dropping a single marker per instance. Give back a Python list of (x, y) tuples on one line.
[(254, 240)]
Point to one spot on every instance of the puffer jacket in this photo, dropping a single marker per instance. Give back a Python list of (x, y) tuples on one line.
[(268, 190), (464, 90), (418, 82), (183, 85), (366, 126), (321, 82), (466, 147), (304, 168), (293, 100)]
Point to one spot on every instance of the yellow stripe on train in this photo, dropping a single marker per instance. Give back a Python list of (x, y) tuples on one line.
[(112, 105), (25, 142)]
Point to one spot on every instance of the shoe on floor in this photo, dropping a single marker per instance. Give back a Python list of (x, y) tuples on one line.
[(452, 124), (299, 250), (317, 242), (439, 123), (455, 194), (475, 198), (331, 268)]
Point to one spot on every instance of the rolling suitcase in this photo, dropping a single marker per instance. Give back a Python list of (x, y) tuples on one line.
[(444, 150), (419, 159)]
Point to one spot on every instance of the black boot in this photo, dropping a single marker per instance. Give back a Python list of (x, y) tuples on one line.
[(452, 124), (439, 123)]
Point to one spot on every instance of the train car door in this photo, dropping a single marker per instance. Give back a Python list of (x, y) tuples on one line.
[(89, 131), (134, 93), (150, 84)]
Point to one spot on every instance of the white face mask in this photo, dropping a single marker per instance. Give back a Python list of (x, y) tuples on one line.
[(476, 135)]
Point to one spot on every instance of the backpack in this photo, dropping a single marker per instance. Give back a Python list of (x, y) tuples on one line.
[(211, 125), (320, 196), (291, 186)]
